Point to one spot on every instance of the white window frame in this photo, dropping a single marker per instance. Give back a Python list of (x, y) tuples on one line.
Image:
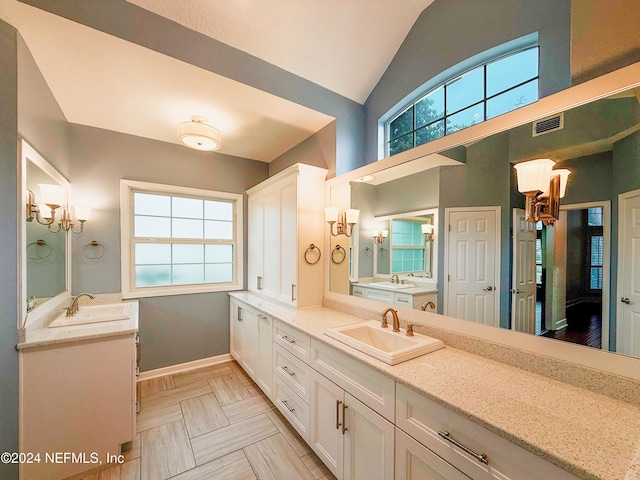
[(127, 240)]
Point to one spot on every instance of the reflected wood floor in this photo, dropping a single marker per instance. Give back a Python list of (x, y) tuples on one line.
[(212, 423)]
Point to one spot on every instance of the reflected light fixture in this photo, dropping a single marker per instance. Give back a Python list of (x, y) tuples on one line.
[(199, 135), (427, 231), (543, 188), (53, 197), (379, 236), (344, 222)]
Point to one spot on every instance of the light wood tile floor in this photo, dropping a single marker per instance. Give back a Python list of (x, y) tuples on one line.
[(212, 423)]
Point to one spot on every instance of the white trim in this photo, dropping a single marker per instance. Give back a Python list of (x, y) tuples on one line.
[(126, 239), (447, 220), (606, 261), (185, 367), (622, 198)]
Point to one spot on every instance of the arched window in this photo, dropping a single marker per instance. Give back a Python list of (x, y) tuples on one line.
[(495, 87)]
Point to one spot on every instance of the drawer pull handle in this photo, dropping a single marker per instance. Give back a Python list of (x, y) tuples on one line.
[(338, 402), (284, 402), (481, 457), (287, 339), (262, 316), (286, 369)]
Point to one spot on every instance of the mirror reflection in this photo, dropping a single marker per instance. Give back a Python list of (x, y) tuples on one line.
[(46, 255), (568, 279)]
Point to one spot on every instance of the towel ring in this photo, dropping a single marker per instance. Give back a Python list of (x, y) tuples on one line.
[(338, 249), (368, 252), (312, 248), (384, 252), (94, 243), (40, 243)]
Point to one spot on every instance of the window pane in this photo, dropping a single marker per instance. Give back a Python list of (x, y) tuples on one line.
[(188, 254), (538, 251), (402, 124), (153, 275), (512, 70), (218, 210), (595, 217), (465, 90), (430, 108), (218, 253), (152, 253), (401, 144), (183, 228), (465, 118), (188, 274), (595, 280), (218, 230), (152, 227), (516, 98), (597, 247), (218, 272), (187, 207), (538, 274), (148, 204), (430, 132)]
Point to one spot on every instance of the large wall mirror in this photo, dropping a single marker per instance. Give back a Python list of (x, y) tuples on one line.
[(571, 280), (45, 254)]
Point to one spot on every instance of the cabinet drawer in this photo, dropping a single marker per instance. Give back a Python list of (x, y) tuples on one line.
[(374, 389), (292, 407), (357, 291), (426, 421), (404, 300), (292, 340), (292, 371), (381, 295)]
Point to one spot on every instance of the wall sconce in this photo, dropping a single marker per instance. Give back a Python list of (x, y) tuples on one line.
[(53, 196), (66, 223), (427, 231), (379, 236), (543, 188), (344, 221)]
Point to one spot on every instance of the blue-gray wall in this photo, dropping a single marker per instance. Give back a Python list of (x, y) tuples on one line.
[(173, 329), (9, 247), (449, 32), (319, 150)]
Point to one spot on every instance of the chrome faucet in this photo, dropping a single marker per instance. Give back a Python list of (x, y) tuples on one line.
[(72, 309), (428, 305), (395, 279), (396, 321)]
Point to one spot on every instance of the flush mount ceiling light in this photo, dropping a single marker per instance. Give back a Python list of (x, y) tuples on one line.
[(199, 135)]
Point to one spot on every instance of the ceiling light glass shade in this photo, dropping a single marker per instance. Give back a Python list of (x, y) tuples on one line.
[(52, 194), (564, 177), (533, 176), (82, 213), (352, 215), (199, 135), (331, 214)]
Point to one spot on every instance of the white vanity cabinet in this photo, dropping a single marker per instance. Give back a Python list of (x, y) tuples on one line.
[(76, 397), (285, 219), (252, 343), (399, 298)]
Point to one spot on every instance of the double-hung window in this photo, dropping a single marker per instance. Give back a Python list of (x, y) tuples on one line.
[(178, 240), (484, 92)]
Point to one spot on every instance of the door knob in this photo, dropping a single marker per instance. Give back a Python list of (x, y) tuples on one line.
[(488, 289), (625, 300), (517, 291)]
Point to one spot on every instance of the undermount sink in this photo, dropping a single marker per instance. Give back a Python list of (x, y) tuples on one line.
[(391, 286), (94, 314), (383, 343)]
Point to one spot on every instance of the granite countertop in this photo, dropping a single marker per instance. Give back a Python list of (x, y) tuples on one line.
[(42, 335), (588, 434), (410, 290)]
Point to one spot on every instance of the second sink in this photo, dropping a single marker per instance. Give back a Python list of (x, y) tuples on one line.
[(384, 344)]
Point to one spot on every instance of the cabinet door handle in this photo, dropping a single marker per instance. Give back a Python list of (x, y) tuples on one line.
[(286, 369), (287, 339), (338, 424), (284, 402), (481, 457), (137, 370), (344, 418), (259, 283), (293, 298), (239, 313)]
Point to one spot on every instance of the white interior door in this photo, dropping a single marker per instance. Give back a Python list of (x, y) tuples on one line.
[(472, 259), (523, 285), (628, 331)]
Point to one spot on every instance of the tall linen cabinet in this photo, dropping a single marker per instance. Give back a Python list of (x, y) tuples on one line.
[(286, 232)]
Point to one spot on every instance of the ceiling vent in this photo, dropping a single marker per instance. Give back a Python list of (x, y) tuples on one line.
[(548, 125)]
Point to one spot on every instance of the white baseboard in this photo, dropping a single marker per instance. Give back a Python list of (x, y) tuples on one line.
[(185, 367)]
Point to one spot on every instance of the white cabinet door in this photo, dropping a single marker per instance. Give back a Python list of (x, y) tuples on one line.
[(255, 242), (368, 443), (251, 341), (237, 331), (264, 369), (414, 461), (327, 414), (270, 284), (288, 241)]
